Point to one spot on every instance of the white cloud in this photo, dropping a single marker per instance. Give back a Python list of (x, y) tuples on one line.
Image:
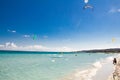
[(12, 31), (63, 49), (13, 46), (10, 45), (1, 46), (26, 36), (114, 10), (7, 44), (34, 48)]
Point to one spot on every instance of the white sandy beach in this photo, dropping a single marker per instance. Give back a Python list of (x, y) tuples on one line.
[(107, 71)]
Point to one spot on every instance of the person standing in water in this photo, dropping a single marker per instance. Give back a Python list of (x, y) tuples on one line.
[(114, 61)]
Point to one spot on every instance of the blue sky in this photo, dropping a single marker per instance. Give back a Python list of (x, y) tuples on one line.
[(59, 24)]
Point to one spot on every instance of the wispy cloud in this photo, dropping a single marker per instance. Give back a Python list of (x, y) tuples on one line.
[(26, 36), (114, 10), (13, 46), (63, 49), (12, 31)]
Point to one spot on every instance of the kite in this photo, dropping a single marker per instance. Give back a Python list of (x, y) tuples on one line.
[(113, 39), (34, 37), (87, 6)]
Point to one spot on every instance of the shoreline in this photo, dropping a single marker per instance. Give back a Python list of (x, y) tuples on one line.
[(99, 70)]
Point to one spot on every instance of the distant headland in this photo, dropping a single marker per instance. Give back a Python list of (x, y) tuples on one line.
[(111, 50)]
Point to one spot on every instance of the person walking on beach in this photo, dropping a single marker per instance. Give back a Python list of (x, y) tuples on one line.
[(116, 73), (114, 61)]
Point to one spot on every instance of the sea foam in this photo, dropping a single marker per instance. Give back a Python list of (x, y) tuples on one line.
[(89, 73)]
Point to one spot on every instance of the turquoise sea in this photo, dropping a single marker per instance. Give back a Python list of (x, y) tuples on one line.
[(47, 65)]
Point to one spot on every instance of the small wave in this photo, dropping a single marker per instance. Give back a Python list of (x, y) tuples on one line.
[(97, 64), (89, 73)]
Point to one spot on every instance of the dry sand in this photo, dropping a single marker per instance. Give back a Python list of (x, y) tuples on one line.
[(116, 72)]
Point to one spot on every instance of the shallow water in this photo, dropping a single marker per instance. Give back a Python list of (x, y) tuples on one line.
[(42, 66)]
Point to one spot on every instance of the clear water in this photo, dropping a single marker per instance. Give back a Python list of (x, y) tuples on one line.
[(42, 66)]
